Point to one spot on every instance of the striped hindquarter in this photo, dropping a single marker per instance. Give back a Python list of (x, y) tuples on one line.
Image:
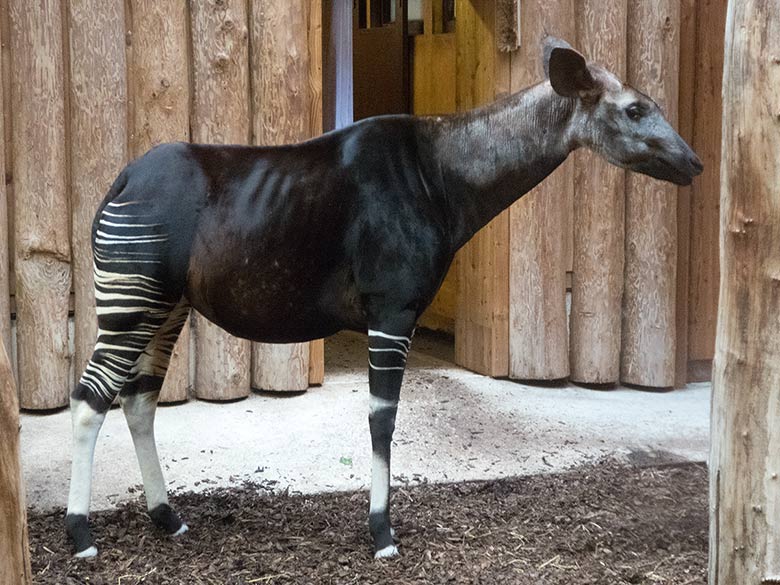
[(139, 322)]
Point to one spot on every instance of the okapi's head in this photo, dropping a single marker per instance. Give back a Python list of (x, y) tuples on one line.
[(620, 123)]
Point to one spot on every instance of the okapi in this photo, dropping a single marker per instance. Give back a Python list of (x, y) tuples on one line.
[(353, 230)]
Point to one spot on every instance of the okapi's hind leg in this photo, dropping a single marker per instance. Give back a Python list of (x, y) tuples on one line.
[(139, 402), (122, 337)]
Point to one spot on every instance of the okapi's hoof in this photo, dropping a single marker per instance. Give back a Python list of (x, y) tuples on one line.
[(77, 527), (167, 520), (387, 553)]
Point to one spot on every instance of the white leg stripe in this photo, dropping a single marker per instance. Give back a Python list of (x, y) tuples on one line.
[(381, 369), (375, 403), (373, 333), (380, 484), (380, 350)]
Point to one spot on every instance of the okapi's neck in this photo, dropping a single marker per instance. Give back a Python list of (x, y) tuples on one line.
[(490, 157)]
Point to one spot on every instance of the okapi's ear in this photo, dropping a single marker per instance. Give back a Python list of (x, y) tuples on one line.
[(567, 70)]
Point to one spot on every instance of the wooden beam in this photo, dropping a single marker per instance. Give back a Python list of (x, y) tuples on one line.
[(538, 336), (220, 114), (160, 112), (14, 549), (597, 279), (42, 217), (649, 334), (98, 142), (5, 225), (284, 97), (745, 452)]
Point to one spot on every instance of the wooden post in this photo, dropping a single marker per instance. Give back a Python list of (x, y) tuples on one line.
[(597, 281), (42, 218), (745, 452), (704, 273), (649, 336), (98, 133), (160, 112), (538, 336), (14, 550), (5, 234), (286, 97), (482, 320), (220, 114)]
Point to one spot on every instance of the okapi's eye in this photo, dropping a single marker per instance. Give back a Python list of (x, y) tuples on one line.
[(634, 111)]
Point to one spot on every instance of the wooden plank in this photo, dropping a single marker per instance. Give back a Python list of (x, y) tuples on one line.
[(14, 548), (160, 91), (686, 102), (41, 210), (481, 325), (745, 453), (597, 280), (704, 274), (220, 114), (317, 362), (649, 333), (282, 113), (538, 336), (337, 107), (98, 141)]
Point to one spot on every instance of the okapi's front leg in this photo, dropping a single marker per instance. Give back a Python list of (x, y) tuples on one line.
[(388, 346)]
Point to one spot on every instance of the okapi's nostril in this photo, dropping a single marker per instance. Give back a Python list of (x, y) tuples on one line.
[(697, 165)]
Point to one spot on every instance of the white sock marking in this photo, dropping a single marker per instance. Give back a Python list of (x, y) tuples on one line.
[(387, 553), (380, 484), (86, 426), (184, 528), (87, 553)]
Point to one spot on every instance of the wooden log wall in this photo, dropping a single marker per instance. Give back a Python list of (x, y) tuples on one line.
[(745, 452), (88, 85), (626, 304)]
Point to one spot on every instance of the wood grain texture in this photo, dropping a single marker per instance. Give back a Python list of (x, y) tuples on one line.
[(42, 223), (160, 112), (704, 273), (686, 104), (649, 333), (98, 142), (220, 114), (481, 324), (538, 326), (316, 362), (745, 451), (285, 96), (14, 548), (600, 190)]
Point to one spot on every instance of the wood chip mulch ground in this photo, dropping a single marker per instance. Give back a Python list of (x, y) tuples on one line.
[(605, 524)]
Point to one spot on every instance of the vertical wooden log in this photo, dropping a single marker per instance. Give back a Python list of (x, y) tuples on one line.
[(283, 102), (160, 93), (42, 218), (14, 550), (704, 274), (686, 101), (7, 181), (220, 114), (538, 335), (5, 232), (481, 324), (98, 110), (745, 452), (597, 282), (649, 335)]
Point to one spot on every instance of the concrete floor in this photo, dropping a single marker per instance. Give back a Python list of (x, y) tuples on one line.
[(452, 425)]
